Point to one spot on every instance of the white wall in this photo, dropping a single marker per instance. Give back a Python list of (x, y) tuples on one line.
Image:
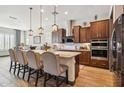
[(46, 37)]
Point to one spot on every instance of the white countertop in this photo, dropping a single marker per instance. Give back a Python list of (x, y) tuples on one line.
[(67, 54)]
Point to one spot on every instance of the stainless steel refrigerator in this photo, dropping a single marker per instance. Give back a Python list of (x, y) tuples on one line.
[(117, 50)]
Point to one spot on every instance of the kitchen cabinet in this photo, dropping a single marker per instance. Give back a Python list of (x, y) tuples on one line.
[(100, 29), (85, 35), (76, 33), (100, 63), (84, 58), (57, 36)]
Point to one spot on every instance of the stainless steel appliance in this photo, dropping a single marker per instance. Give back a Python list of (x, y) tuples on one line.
[(117, 50), (99, 49), (68, 39)]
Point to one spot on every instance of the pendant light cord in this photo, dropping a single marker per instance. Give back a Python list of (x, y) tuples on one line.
[(55, 15), (40, 16), (30, 18)]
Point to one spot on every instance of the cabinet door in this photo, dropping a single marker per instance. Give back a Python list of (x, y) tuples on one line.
[(83, 35), (100, 29), (84, 58), (94, 30), (88, 34), (103, 27), (105, 33), (58, 36), (76, 33), (99, 63)]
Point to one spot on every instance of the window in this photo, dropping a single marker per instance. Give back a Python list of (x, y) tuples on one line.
[(6, 41), (12, 41), (1, 41)]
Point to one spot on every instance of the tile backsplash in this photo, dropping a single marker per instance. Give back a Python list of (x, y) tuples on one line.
[(71, 46)]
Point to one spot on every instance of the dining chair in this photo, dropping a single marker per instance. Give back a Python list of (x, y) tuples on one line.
[(23, 62), (52, 67), (35, 65), (13, 59)]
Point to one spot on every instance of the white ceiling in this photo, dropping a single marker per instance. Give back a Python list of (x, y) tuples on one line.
[(80, 13)]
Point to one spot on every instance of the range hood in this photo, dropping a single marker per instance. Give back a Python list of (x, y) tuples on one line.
[(70, 24)]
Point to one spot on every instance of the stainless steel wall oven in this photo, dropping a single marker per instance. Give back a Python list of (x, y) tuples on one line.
[(99, 49)]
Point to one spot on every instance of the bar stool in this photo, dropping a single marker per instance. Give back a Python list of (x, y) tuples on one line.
[(35, 65), (53, 68), (23, 63), (14, 60)]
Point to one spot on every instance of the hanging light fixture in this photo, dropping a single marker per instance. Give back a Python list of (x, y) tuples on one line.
[(40, 29), (30, 30), (55, 26)]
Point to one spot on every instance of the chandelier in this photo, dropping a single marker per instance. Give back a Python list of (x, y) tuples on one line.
[(30, 30), (40, 29), (55, 26)]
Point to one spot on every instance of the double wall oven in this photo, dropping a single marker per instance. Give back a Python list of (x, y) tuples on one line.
[(99, 49)]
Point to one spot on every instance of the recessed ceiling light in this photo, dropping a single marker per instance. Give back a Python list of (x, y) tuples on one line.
[(42, 10), (46, 19), (66, 12)]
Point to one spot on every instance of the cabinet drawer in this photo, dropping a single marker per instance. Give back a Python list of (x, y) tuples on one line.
[(99, 63)]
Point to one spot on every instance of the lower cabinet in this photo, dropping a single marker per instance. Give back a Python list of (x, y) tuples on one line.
[(100, 63), (85, 59)]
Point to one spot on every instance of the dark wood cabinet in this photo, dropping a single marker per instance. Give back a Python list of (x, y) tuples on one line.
[(100, 29), (84, 58), (100, 63), (76, 33), (85, 35), (57, 37)]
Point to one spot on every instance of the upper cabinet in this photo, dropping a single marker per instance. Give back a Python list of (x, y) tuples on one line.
[(57, 36), (100, 29), (76, 33), (85, 35)]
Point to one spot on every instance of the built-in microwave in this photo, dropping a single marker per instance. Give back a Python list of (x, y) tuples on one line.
[(68, 39)]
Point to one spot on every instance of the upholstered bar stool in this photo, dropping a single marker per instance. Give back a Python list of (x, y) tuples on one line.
[(14, 60), (53, 68), (35, 65), (23, 63)]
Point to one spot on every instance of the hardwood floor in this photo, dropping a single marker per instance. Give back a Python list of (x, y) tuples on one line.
[(88, 77), (95, 77)]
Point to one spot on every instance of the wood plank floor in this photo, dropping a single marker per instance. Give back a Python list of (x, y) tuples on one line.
[(88, 77)]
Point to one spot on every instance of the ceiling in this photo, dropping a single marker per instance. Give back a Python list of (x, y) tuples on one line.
[(80, 13)]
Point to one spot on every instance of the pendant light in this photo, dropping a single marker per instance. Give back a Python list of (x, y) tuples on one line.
[(30, 30), (54, 26), (40, 29)]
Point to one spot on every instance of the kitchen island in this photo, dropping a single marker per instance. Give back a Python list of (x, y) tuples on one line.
[(70, 59)]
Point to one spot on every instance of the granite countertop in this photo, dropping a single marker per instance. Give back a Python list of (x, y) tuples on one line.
[(65, 54), (80, 50)]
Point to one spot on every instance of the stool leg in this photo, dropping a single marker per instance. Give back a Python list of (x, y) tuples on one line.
[(37, 75), (15, 67), (66, 76), (29, 74), (18, 71), (57, 82), (24, 72), (10, 66), (45, 77)]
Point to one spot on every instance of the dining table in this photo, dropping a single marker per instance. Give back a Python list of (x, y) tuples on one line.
[(68, 58)]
